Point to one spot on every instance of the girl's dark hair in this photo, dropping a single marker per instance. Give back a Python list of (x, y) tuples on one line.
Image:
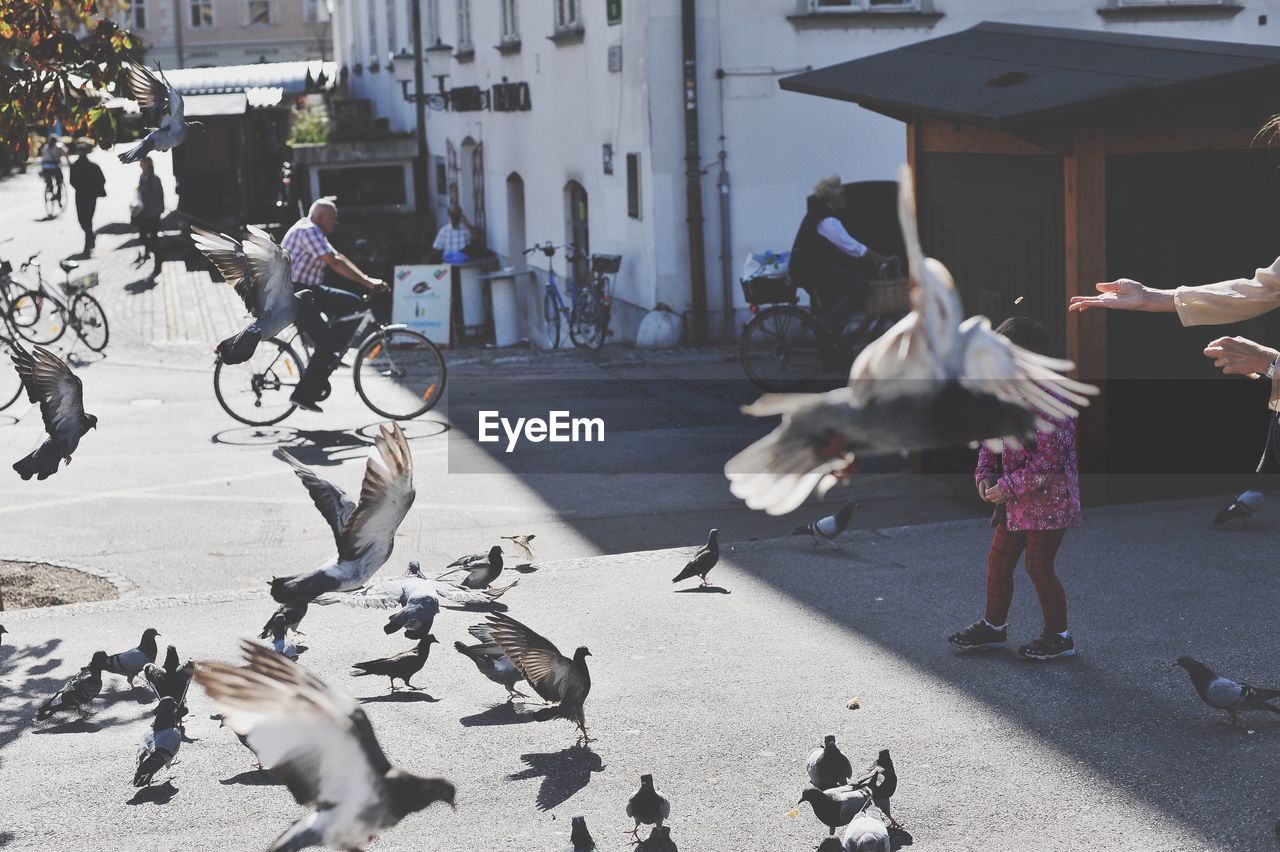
[(1028, 334)]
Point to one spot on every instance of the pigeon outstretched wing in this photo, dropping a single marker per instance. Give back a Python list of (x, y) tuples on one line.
[(334, 504), (258, 269), (49, 381), (533, 655), (385, 496), (151, 94)]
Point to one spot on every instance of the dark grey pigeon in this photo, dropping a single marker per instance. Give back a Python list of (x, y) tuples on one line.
[(317, 740), (481, 568), (491, 662), (882, 780), (835, 807), (50, 383), (293, 615), (130, 663), (162, 108), (404, 665), (829, 528), (171, 681), (703, 561), (261, 273), (562, 682), (160, 746), (827, 766), (77, 693), (280, 642), (647, 806), (1225, 694), (580, 838)]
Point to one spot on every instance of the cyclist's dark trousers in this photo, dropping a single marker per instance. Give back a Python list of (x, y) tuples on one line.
[(330, 339), (841, 299), (86, 204)]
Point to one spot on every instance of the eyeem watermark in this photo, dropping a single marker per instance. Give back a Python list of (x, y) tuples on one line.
[(559, 427)]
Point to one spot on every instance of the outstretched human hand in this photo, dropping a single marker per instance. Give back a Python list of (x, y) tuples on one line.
[(1239, 356), (1124, 294)]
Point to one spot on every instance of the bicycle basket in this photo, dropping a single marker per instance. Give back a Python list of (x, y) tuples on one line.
[(889, 296), (767, 290), (608, 264), (80, 284)]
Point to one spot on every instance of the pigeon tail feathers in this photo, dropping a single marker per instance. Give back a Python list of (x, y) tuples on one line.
[(302, 588), (137, 152), (41, 463), (239, 347)]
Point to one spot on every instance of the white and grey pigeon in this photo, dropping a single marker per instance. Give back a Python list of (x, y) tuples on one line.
[(261, 273), (829, 528), (365, 533), (1224, 693), (129, 664), (162, 108), (280, 641), (315, 738), (647, 806), (411, 595), (934, 379), (481, 568), (522, 544), (867, 832), (59, 392), (491, 661), (160, 745), (827, 765)]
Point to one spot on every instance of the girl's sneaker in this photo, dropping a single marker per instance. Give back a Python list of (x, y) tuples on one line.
[(978, 636), (1048, 646)]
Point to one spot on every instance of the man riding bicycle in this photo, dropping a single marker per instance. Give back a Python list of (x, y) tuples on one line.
[(51, 156), (310, 251)]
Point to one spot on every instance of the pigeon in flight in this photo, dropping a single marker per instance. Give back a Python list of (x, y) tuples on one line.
[(882, 780), (280, 642), (934, 379), (78, 692), (835, 807), (523, 546), (364, 533), (49, 382), (580, 838), (171, 681), (558, 680), (317, 740), (1225, 694), (162, 109), (491, 661), (828, 528), (261, 273), (482, 568), (647, 806), (129, 664), (293, 615), (703, 561), (827, 765), (161, 745), (1243, 508), (404, 665), (411, 595)]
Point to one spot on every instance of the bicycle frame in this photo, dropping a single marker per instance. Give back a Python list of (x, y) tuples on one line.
[(366, 318)]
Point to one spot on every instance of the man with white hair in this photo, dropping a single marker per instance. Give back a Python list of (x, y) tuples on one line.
[(310, 251)]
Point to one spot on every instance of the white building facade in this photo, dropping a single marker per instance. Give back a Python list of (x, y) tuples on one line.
[(599, 155)]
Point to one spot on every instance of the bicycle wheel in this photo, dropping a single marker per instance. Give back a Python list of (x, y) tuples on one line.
[(399, 373), (10, 383), (37, 318), (781, 348), (89, 321), (551, 319), (257, 392), (584, 320)]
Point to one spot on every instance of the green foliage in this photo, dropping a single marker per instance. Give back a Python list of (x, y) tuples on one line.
[(56, 58), (310, 126)]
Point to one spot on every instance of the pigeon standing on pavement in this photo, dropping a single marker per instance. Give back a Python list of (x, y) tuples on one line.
[(317, 740), (491, 661), (411, 595), (1243, 508), (50, 383), (647, 806), (523, 546), (78, 692), (160, 746), (129, 664), (404, 665), (482, 568), (827, 765), (867, 832), (934, 379), (171, 681), (562, 682), (580, 838), (261, 273), (835, 807), (703, 561), (162, 107), (828, 528), (882, 780), (1225, 694), (364, 533), (280, 641), (292, 614)]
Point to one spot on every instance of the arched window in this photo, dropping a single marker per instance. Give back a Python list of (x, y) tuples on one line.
[(577, 230)]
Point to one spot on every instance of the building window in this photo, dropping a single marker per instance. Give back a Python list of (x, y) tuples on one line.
[(633, 186), (510, 24), (366, 186), (863, 5), (431, 23), (315, 11), (567, 15), (201, 13), (371, 22), (442, 176), (393, 26), (464, 25), (132, 15), (257, 12)]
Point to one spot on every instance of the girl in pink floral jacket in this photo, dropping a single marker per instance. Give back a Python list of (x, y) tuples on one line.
[(1036, 492)]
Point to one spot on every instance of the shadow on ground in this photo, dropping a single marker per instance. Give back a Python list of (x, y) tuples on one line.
[(563, 773)]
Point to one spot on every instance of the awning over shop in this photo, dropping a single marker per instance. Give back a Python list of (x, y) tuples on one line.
[(1009, 76), (293, 78), (205, 106)]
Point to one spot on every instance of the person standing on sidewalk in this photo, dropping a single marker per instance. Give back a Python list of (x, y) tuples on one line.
[(310, 251), (90, 185), (1036, 492), (149, 207)]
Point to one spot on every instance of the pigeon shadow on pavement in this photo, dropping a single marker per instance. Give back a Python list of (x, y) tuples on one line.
[(489, 606), (142, 285), (704, 590), (659, 840), (156, 794), (6, 837), (400, 697), (831, 844), (252, 778), (563, 773), (498, 714), (526, 568), (899, 837)]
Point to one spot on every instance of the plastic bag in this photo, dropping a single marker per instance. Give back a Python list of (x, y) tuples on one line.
[(767, 264)]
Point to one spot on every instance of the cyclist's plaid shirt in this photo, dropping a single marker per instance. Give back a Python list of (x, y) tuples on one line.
[(306, 245)]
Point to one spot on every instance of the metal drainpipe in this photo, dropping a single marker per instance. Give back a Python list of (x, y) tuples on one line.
[(177, 31), (693, 174), (726, 247), (422, 197)]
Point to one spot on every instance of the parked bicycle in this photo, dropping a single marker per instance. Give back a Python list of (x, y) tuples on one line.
[(41, 316), (590, 308), (398, 373)]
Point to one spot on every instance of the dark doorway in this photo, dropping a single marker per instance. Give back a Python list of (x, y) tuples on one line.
[(577, 227)]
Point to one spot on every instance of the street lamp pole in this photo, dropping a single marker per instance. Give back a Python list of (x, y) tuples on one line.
[(420, 190)]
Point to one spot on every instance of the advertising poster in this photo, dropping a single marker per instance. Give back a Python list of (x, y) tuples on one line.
[(420, 299)]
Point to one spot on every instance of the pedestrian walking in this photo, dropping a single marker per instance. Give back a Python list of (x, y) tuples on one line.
[(1036, 492), (147, 209), (90, 184)]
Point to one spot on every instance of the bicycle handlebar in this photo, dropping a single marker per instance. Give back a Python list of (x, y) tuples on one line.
[(26, 263), (549, 249)]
